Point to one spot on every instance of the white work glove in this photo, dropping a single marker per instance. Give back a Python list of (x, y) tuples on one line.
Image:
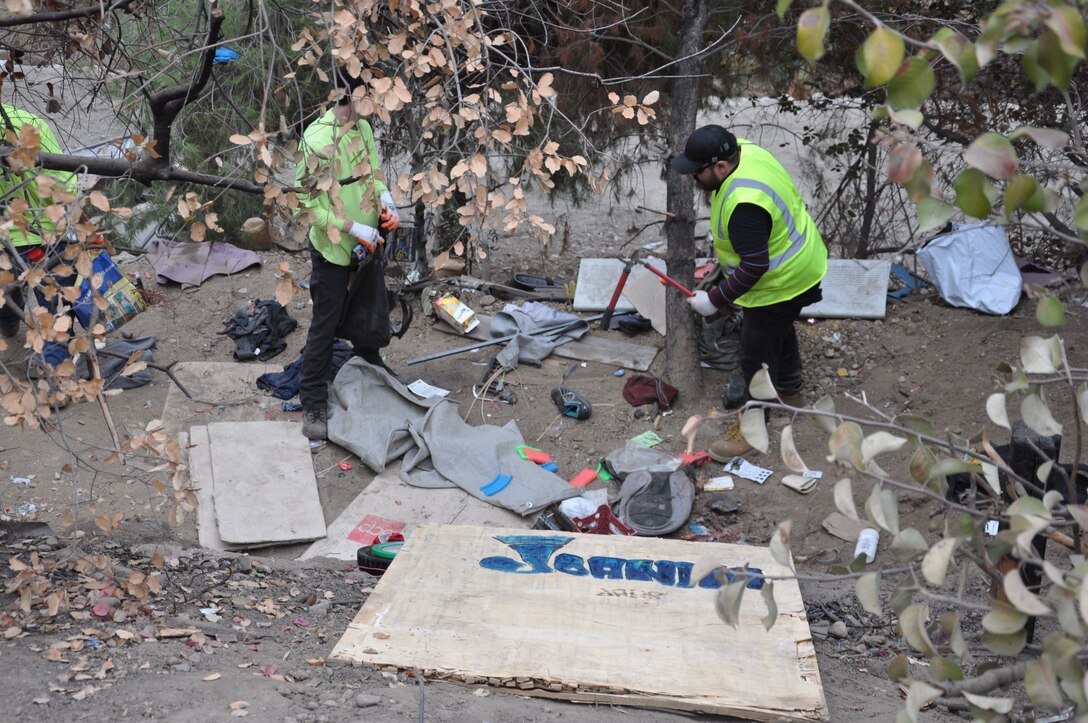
[(702, 304), (390, 219), (367, 236)]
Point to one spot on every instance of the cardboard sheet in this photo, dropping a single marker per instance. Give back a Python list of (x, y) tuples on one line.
[(264, 484), (594, 618), (853, 289), (222, 392), (388, 504)]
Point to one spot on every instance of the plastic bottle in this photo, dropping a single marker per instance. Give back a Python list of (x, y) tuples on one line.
[(867, 540)]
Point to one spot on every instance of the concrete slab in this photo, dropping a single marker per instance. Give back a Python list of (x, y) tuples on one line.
[(853, 289)]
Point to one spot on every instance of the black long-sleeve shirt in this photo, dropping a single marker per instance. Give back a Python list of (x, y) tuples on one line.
[(750, 235)]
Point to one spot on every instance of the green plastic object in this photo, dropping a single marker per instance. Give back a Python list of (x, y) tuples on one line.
[(386, 550)]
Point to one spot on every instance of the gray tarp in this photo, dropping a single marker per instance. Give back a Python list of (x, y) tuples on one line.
[(974, 267), (377, 418), (533, 315)]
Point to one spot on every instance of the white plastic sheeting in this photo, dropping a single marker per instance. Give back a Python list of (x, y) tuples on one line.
[(974, 267)]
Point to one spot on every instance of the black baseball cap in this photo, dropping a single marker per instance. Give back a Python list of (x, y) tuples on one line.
[(706, 145)]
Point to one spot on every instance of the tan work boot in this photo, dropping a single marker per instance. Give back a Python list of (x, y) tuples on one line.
[(732, 444), (794, 400)]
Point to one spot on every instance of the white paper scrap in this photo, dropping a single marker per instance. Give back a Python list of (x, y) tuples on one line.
[(716, 484), (992, 528), (746, 470), (422, 389), (812, 474)]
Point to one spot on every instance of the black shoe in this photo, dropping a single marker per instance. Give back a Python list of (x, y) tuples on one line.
[(314, 425), (9, 327), (571, 403)]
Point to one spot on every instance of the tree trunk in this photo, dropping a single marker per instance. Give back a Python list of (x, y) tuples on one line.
[(681, 353)]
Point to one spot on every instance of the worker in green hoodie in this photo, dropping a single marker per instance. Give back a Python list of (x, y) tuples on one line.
[(347, 206)]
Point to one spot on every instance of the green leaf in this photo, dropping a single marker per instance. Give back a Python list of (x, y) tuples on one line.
[(959, 51), (1068, 25), (935, 563), (1005, 644), (985, 702), (753, 425), (908, 117), (1055, 60), (1040, 356), (974, 193), (761, 386), (1020, 597), (772, 608), (878, 443), (1036, 414), (950, 626), (912, 624), (845, 444), (908, 545), (915, 423), (781, 7), (1003, 619), (898, 668), (933, 214), (902, 597), (1042, 684), (882, 54), (824, 404), (996, 411), (780, 544), (1080, 215), (944, 669), (912, 85), (867, 588), (1023, 192), (919, 696), (1033, 69), (1049, 138), (950, 465), (844, 498), (921, 465), (727, 602), (1050, 311), (992, 154), (811, 32)]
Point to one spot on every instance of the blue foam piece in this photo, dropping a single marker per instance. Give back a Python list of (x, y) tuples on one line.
[(496, 485), (550, 466)]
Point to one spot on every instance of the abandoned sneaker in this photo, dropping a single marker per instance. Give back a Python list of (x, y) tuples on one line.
[(571, 403), (314, 425), (732, 444)]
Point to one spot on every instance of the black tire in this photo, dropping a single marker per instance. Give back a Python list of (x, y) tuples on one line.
[(369, 562)]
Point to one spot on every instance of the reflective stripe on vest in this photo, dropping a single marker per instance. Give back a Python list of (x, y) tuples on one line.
[(797, 239)]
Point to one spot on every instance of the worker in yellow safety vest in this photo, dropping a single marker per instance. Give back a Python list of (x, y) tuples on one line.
[(32, 234), (772, 256)]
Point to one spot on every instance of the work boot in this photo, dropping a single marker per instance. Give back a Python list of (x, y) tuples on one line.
[(732, 444), (314, 425), (9, 327), (797, 400)]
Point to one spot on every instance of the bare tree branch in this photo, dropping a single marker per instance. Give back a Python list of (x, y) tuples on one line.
[(97, 10)]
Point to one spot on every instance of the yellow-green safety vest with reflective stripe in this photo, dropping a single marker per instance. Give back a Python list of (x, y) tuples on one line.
[(797, 251)]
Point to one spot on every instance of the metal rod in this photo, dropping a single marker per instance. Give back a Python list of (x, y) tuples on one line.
[(499, 339), (668, 279)]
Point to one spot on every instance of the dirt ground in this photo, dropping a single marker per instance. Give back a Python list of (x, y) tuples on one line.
[(263, 649)]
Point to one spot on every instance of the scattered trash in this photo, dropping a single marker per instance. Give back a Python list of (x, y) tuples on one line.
[(992, 527), (716, 484), (845, 528), (583, 478), (26, 509), (695, 459), (21, 480), (697, 528), (974, 267), (551, 467), (571, 403), (910, 282), (422, 389), (642, 389), (867, 541), (496, 485), (376, 559), (292, 407), (799, 483), (746, 470), (649, 438), (94, 643), (655, 502), (344, 465), (601, 522), (450, 309), (724, 504), (316, 445), (813, 474), (102, 611), (533, 454), (619, 373), (300, 621)]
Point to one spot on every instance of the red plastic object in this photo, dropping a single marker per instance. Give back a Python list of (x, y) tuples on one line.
[(601, 522), (583, 478), (533, 454), (694, 458), (345, 465)]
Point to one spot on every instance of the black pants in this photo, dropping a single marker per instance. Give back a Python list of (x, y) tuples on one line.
[(329, 292), (767, 336)]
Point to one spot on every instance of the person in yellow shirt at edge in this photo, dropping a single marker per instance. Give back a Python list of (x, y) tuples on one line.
[(772, 256), (38, 243), (343, 144)]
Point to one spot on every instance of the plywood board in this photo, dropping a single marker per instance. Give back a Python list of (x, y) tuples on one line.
[(388, 504), (591, 617), (617, 352), (222, 392), (853, 289), (264, 483), (597, 279)]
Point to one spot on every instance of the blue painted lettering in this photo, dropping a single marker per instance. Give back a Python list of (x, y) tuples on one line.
[(606, 568), (663, 571), (570, 564), (534, 552)]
